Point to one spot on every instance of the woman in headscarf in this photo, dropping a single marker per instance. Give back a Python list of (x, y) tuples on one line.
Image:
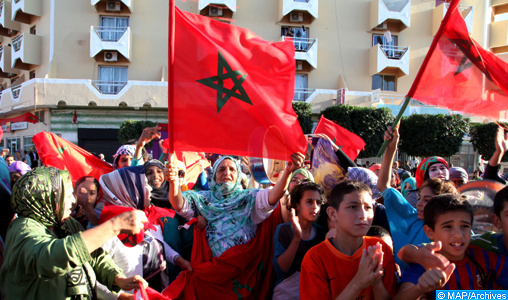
[(232, 213), (128, 187), (47, 254), (408, 185), (124, 157), (432, 167), (179, 239), (18, 169)]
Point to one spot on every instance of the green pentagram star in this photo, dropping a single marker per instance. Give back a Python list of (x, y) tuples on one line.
[(224, 72)]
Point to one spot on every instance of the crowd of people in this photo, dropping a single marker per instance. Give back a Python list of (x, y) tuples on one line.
[(374, 232)]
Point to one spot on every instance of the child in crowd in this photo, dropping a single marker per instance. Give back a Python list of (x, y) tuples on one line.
[(292, 240), (448, 222), (350, 265), (406, 222), (491, 241)]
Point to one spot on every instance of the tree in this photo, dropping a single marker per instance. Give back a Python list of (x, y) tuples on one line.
[(432, 135), (303, 111), (367, 122), (483, 138), (131, 130)]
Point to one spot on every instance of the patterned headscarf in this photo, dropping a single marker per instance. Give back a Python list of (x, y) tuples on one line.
[(422, 171), (40, 195), (126, 187), (19, 166), (226, 207), (125, 149), (366, 176), (412, 183), (457, 172)]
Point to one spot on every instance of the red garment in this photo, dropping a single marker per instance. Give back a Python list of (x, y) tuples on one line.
[(349, 143), (61, 154), (326, 271), (459, 74), (243, 271), (233, 91), (424, 166)]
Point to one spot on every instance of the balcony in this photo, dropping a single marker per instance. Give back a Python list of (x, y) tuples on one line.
[(119, 6), (109, 87), (302, 94), (389, 58), (5, 62), (26, 51), (440, 11), (217, 8), (306, 49), (298, 11), (26, 11), (499, 37), (393, 15), (499, 7), (7, 26), (111, 39)]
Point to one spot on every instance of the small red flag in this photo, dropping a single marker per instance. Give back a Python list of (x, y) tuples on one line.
[(75, 118), (349, 143), (61, 154), (233, 91), (459, 74)]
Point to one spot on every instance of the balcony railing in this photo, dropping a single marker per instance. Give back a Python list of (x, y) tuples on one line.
[(302, 94), (394, 52), (16, 90), (109, 87), (109, 34), (464, 9), (16, 42)]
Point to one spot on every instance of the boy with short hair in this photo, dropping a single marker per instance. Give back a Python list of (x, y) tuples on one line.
[(492, 241), (448, 220), (349, 265)]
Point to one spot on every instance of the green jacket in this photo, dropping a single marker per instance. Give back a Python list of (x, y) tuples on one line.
[(38, 265)]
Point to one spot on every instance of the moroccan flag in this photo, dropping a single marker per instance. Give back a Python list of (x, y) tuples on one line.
[(75, 118), (233, 91), (459, 74), (26, 117), (59, 153), (349, 143)]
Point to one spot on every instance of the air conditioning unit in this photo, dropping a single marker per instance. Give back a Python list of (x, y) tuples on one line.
[(382, 26), (111, 56), (296, 17), (214, 11), (299, 65), (113, 6)]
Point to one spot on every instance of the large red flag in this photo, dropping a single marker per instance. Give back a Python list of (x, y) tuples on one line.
[(233, 91), (459, 74), (59, 153), (349, 143)]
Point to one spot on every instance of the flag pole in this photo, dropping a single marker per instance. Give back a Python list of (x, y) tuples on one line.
[(171, 77), (395, 123)]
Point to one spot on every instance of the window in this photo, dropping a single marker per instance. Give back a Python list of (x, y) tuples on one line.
[(111, 79), (112, 28), (384, 82), (13, 144), (32, 74), (300, 87), (2, 143), (33, 30), (439, 2), (300, 36), (27, 143), (40, 115)]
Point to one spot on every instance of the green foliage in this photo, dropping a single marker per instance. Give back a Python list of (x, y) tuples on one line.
[(304, 112), (131, 130), (483, 137), (367, 122), (432, 135)]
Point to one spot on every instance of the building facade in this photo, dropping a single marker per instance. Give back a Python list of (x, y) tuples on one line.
[(101, 62)]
